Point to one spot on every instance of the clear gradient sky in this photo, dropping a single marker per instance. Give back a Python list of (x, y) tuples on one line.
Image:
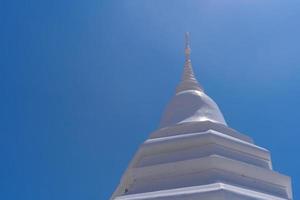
[(83, 83)]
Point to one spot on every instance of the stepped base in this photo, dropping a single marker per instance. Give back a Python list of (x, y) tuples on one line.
[(216, 191)]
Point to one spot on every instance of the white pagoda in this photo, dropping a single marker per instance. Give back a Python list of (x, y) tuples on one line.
[(195, 155)]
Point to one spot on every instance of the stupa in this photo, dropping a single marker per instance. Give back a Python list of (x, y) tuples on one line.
[(195, 155)]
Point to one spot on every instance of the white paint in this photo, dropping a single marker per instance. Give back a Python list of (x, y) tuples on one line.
[(191, 106), (185, 192), (195, 155)]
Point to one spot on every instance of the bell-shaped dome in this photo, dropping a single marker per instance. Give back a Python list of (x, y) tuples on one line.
[(190, 104)]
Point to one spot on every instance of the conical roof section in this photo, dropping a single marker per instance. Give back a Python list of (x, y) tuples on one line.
[(190, 103)]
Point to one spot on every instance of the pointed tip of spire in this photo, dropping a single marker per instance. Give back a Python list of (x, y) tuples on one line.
[(187, 40), (188, 82), (187, 46)]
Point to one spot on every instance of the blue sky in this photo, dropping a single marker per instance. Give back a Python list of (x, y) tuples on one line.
[(83, 84)]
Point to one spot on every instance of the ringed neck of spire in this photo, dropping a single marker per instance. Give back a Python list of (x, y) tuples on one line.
[(188, 80)]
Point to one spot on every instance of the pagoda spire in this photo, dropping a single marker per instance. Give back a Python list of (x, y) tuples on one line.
[(188, 80)]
